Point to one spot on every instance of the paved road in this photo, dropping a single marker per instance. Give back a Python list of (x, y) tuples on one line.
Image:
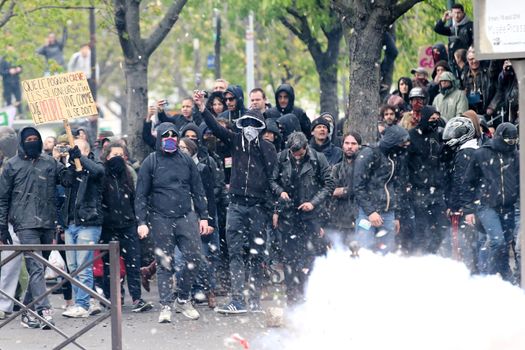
[(141, 331)]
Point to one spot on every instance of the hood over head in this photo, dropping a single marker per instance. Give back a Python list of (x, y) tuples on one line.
[(288, 124), (237, 92), (505, 133), (8, 142), (191, 126), (424, 124), (251, 117), (441, 52), (291, 98), (24, 133), (161, 129), (443, 64), (447, 76), (392, 138)]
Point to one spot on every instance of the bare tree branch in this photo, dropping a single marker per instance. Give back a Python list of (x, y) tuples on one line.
[(164, 26), (304, 33), (121, 23), (401, 8), (8, 13)]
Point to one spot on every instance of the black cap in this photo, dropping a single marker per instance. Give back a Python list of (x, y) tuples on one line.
[(320, 121)]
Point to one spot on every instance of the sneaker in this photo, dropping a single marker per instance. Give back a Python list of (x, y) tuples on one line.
[(28, 321), (47, 314), (3, 315), (141, 306), (165, 314), (233, 308), (187, 309), (256, 307), (76, 312), (94, 307)]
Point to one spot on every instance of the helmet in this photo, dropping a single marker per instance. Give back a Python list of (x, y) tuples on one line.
[(417, 92), (458, 131)]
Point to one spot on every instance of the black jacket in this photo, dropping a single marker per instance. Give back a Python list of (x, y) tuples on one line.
[(343, 210), (291, 108), (459, 37), (232, 116), (88, 200), (27, 190), (313, 183), (208, 184), (379, 181), (493, 177), (147, 137), (179, 120), (332, 153), (168, 184), (118, 201), (252, 162), (458, 191)]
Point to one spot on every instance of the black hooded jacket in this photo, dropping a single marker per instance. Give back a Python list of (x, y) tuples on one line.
[(27, 190), (333, 153), (168, 184), (493, 173), (232, 116), (118, 200), (288, 124), (380, 174), (252, 162), (291, 108)]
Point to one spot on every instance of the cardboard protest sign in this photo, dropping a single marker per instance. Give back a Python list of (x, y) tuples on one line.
[(59, 97)]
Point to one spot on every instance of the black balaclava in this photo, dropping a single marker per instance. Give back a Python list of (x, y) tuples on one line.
[(505, 131), (424, 124), (116, 165), (32, 149), (392, 139)]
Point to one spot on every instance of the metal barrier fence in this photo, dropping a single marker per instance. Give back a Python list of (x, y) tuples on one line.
[(114, 304)]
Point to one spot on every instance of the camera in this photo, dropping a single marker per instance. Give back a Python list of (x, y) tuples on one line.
[(204, 93), (62, 149)]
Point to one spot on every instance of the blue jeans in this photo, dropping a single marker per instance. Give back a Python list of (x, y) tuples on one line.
[(499, 227), (82, 235), (378, 239)]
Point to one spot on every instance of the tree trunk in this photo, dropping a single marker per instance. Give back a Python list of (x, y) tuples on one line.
[(137, 102), (328, 85), (364, 46)]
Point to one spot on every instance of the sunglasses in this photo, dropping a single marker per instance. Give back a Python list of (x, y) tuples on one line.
[(511, 141), (169, 133), (229, 98)]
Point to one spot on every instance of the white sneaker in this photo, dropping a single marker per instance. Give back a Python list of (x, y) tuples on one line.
[(76, 312), (94, 307), (165, 314), (187, 309)]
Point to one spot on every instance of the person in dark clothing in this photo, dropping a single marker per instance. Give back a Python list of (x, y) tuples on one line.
[(380, 184), (493, 176), (461, 140), (82, 214), (119, 222), (504, 105), (285, 103), (168, 188), (10, 72), (439, 52), (272, 134), (433, 88), (148, 134), (234, 98), (478, 85), (342, 206), (321, 142), (426, 176), (288, 124), (303, 183), (253, 160), (404, 85), (460, 33), (53, 50), (27, 201), (206, 281), (180, 120)]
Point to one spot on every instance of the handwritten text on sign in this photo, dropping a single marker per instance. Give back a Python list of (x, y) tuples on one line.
[(59, 97)]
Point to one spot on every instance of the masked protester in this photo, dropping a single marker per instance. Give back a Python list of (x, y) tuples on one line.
[(379, 187), (493, 178), (119, 222), (426, 176), (505, 104), (170, 197), (253, 160), (417, 97), (461, 140), (27, 200)]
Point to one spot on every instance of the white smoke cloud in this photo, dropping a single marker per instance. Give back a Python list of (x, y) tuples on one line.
[(391, 302)]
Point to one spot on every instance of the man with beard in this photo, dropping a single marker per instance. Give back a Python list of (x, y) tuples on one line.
[(427, 183), (493, 176), (234, 98), (253, 161), (379, 186), (321, 142), (342, 204)]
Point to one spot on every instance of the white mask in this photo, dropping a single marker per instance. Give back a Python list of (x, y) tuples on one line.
[(250, 132)]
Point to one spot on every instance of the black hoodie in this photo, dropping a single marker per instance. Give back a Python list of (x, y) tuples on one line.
[(27, 189), (290, 108), (232, 116), (168, 184)]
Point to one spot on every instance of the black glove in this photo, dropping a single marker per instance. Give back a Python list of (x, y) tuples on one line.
[(74, 153), (5, 236)]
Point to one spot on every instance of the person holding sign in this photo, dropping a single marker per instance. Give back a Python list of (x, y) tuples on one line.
[(27, 198)]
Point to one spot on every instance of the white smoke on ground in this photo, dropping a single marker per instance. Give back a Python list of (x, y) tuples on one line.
[(392, 302)]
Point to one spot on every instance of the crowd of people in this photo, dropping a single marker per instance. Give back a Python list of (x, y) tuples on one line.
[(228, 192)]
